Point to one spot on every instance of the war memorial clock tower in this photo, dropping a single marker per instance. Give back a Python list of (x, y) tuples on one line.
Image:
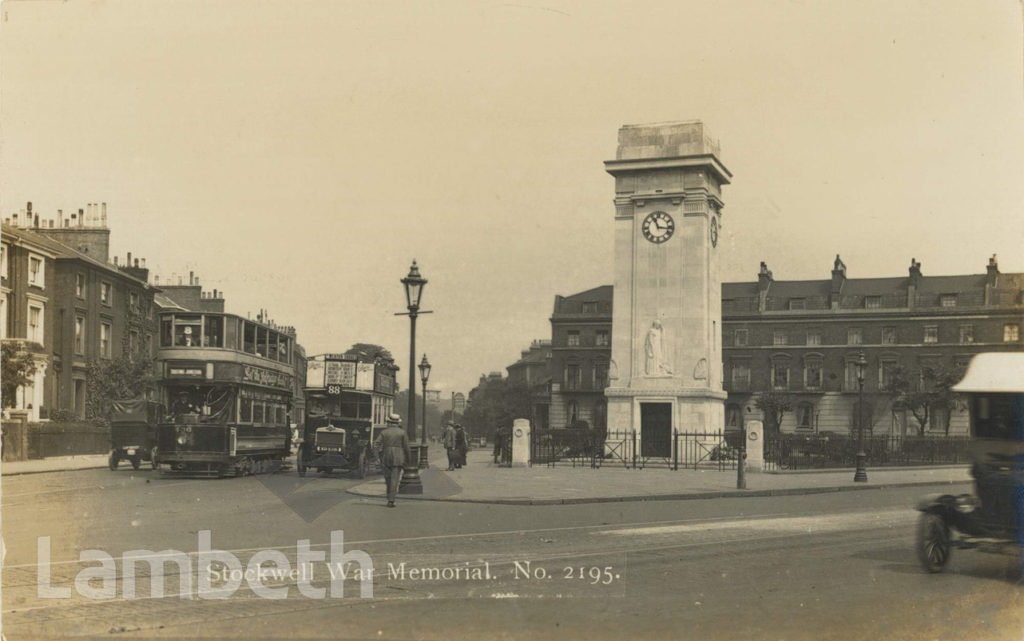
[(666, 330)]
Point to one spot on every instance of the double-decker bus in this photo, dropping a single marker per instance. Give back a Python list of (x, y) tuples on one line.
[(228, 385), (346, 402)]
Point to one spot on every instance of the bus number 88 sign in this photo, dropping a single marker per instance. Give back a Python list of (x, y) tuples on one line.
[(334, 390)]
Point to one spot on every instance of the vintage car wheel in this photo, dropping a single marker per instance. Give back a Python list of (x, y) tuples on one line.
[(113, 461), (364, 466), (136, 462), (933, 543)]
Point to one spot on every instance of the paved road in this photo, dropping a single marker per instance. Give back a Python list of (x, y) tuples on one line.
[(816, 567)]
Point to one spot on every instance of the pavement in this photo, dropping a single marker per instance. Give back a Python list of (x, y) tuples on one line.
[(480, 481), (57, 464)]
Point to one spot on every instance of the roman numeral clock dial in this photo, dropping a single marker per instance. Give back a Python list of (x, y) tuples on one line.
[(658, 227)]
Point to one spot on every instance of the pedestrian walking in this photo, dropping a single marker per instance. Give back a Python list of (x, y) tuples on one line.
[(461, 446), (393, 447), (448, 440)]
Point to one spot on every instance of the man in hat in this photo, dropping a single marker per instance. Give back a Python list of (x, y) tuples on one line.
[(448, 440), (393, 447)]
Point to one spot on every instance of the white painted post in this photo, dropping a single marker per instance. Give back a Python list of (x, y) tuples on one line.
[(755, 446), (521, 442)]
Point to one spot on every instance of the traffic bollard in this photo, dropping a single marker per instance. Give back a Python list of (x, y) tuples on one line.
[(741, 473)]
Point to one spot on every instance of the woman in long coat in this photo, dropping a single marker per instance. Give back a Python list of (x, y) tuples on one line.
[(461, 446)]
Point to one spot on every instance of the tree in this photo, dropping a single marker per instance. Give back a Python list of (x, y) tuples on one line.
[(933, 393), (434, 416), (368, 353), (495, 404), (774, 405), (19, 366), (111, 380)]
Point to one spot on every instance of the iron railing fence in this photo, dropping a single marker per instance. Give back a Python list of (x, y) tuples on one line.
[(577, 447), (816, 451), (704, 450), (503, 448), (597, 448)]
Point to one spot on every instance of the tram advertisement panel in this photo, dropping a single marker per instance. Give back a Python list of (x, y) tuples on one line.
[(315, 373), (364, 378), (262, 376), (341, 373)]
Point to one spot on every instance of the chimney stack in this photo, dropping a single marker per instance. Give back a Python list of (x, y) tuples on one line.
[(764, 282), (991, 280), (912, 282), (81, 216), (838, 280), (103, 219)]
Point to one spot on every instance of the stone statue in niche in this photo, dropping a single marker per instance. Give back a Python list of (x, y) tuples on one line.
[(700, 370), (655, 363)]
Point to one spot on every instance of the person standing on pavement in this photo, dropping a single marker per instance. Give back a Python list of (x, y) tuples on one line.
[(393, 447), (461, 446), (448, 440)]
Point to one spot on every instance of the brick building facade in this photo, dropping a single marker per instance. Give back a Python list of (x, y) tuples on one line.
[(581, 328), (91, 309), (802, 338), (533, 369)]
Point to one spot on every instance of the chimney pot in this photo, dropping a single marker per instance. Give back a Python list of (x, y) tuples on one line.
[(115, 261), (29, 206), (136, 263)]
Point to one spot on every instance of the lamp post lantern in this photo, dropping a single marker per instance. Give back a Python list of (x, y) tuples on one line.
[(424, 375), (861, 475), (413, 284)]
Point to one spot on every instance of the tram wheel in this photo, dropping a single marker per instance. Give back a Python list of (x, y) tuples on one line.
[(113, 461), (933, 543)]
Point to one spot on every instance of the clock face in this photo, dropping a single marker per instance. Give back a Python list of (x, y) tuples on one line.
[(658, 227), (714, 231)]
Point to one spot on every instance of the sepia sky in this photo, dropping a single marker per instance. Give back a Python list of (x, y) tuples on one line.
[(299, 155)]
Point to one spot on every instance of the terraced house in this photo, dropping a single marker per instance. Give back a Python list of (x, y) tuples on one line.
[(63, 293), (803, 338)]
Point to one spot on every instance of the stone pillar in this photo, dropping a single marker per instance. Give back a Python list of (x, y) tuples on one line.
[(520, 442), (755, 446)]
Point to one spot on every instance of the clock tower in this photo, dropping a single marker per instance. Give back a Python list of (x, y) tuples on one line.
[(666, 374)]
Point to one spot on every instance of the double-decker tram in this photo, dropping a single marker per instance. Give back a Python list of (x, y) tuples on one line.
[(228, 385)]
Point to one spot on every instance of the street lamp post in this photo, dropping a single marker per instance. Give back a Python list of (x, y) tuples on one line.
[(424, 375), (861, 475), (413, 284)]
